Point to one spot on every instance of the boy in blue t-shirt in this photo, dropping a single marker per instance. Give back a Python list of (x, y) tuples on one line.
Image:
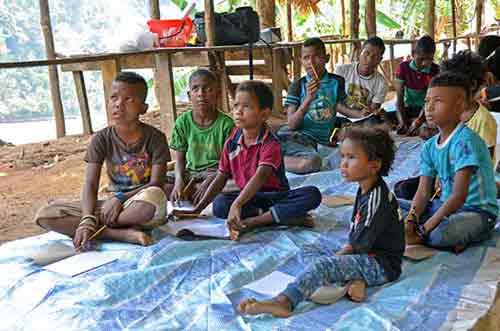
[(467, 209), (312, 103)]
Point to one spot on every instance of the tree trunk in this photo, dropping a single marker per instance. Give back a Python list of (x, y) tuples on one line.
[(370, 18), (289, 20), (479, 19), (265, 10), (354, 27), (154, 9), (430, 18), (55, 92), (209, 23)]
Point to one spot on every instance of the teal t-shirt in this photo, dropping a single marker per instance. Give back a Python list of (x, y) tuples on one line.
[(319, 120), (464, 148), (203, 146)]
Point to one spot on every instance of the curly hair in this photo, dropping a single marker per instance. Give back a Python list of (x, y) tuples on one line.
[(376, 143), (452, 79), (262, 92), (468, 64), (425, 45)]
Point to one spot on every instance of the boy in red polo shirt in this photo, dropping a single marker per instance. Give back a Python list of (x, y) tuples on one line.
[(252, 158)]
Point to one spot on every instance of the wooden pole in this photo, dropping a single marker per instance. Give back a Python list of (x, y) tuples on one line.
[(83, 101), (165, 77), (370, 18), (454, 25), (266, 11), (289, 20), (277, 79), (210, 23), (430, 18), (154, 9), (344, 32), (55, 92), (109, 70), (354, 27), (479, 20)]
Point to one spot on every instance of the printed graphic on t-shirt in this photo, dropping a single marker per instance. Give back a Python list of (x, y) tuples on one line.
[(357, 96), (321, 109), (135, 170)]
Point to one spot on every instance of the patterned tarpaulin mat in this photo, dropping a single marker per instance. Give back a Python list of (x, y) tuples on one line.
[(191, 285)]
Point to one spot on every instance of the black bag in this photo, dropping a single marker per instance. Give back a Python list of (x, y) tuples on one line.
[(236, 28)]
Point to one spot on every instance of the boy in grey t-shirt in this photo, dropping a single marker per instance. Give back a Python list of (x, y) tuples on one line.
[(365, 86)]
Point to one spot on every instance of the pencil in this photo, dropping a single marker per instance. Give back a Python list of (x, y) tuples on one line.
[(435, 194), (94, 235), (186, 189), (412, 210), (314, 72), (333, 133)]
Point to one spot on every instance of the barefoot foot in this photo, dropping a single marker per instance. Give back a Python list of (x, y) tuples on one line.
[(129, 235), (278, 307), (357, 290)]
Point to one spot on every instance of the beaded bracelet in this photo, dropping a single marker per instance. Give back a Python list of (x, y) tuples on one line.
[(89, 218)]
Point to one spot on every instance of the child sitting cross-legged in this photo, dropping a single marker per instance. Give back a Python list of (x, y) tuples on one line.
[(374, 253), (467, 209), (136, 155), (252, 158)]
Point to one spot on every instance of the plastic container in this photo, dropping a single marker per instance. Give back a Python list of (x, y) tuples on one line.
[(172, 33)]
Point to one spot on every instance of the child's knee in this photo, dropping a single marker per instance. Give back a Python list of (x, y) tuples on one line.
[(313, 196), (221, 206)]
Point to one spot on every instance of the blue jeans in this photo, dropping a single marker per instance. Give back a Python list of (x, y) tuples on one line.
[(336, 270), (463, 227), (284, 206)]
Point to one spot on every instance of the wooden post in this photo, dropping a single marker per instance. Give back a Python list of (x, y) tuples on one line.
[(83, 101), (277, 79), (454, 25), (55, 92), (344, 31), (225, 82), (430, 18), (266, 11), (297, 64), (391, 63), (154, 9), (354, 27), (165, 77), (109, 70), (209, 23), (289, 20), (479, 20), (370, 18)]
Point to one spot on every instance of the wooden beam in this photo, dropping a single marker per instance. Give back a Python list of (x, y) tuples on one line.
[(266, 11), (83, 101), (55, 92), (370, 18), (454, 24), (210, 23), (109, 70), (289, 20), (296, 64), (354, 27), (479, 20), (430, 18), (154, 9), (277, 77), (164, 75)]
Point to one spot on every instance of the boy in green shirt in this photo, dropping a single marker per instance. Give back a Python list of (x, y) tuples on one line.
[(198, 137)]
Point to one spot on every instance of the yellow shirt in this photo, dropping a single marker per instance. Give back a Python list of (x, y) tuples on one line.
[(485, 125)]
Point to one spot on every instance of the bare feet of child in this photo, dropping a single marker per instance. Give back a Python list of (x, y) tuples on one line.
[(130, 235), (357, 290), (411, 236), (278, 307)]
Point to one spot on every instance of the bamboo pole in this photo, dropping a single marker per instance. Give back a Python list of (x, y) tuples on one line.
[(83, 101), (289, 20), (266, 12), (454, 25), (154, 9), (55, 92), (344, 32), (164, 75), (210, 23), (354, 27), (370, 18), (109, 70), (430, 18), (479, 20)]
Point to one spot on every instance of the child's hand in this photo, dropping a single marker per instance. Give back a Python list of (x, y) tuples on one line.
[(110, 211), (176, 194), (80, 240), (312, 87), (234, 220), (402, 128)]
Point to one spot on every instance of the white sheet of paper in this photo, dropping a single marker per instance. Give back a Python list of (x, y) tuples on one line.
[(207, 227), (183, 205), (83, 262), (48, 253), (272, 284), (354, 120)]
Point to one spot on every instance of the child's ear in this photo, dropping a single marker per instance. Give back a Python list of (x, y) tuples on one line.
[(374, 166)]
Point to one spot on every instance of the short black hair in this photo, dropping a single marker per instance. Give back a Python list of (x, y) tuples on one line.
[(315, 42), (493, 63), (260, 90), (133, 78), (425, 45), (487, 45), (203, 72), (377, 42), (452, 79), (469, 64), (377, 143)]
